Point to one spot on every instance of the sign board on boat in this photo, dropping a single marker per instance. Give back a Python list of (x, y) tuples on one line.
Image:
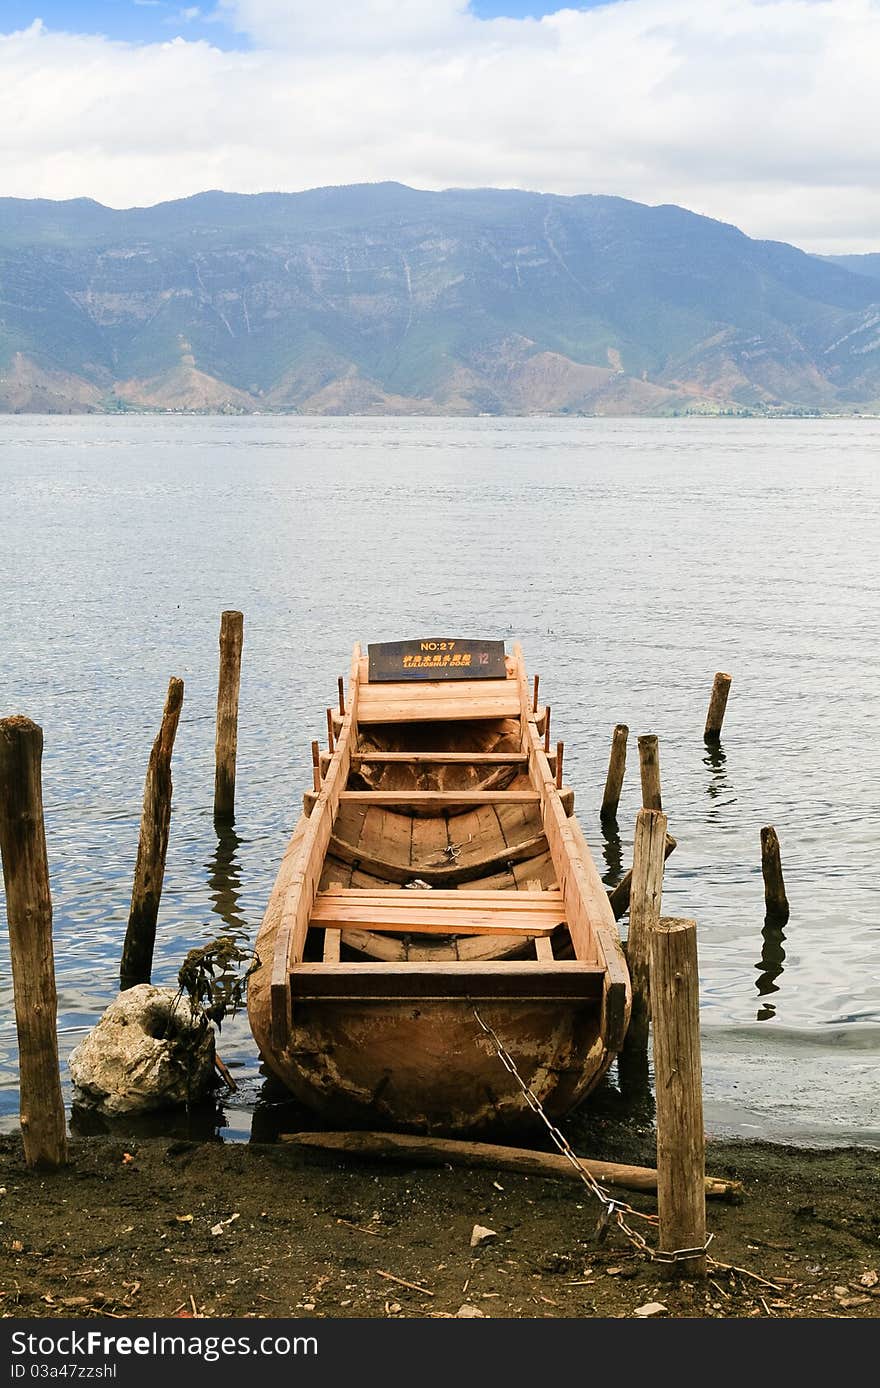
[(436, 658)]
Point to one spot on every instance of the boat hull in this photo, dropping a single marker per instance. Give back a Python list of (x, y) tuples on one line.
[(363, 998), (428, 1067)]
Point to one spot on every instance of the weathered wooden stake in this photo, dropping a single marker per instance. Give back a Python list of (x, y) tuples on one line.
[(616, 770), (149, 872), (681, 1154), (226, 745), (649, 766), (646, 894), (29, 913), (316, 767), (717, 705), (618, 897), (535, 695), (774, 887), (340, 684), (560, 751), (547, 729), (330, 740)]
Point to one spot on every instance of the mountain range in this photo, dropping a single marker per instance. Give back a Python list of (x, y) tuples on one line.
[(382, 299)]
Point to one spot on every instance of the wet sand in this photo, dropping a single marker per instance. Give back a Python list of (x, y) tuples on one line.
[(163, 1227)]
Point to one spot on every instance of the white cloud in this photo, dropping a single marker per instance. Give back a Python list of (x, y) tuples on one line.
[(373, 25), (765, 113)]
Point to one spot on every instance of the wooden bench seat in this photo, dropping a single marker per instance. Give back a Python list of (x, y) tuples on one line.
[(439, 799), (360, 759), (421, 912), (437, 700), (497, 979)]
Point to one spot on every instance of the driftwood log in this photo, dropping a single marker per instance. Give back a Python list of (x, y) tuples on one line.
[(435, 1151)]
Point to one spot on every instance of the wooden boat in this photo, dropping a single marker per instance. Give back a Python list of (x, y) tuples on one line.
[(437, 869)]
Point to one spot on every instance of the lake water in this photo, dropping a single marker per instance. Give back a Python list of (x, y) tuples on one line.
[(632, 559)]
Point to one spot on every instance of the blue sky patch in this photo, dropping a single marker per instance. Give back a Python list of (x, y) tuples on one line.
[(156, 21)]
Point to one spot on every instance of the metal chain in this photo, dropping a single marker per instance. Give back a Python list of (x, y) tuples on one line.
[(612, 1209)]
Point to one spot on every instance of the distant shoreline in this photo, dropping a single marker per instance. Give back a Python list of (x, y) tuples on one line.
[(147, 413)]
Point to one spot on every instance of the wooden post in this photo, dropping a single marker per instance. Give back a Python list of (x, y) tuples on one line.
[(618, 897), (29, 913), (330, 739), (646, 894), (774, 887), (681, 1155), (616, 769), (226, 745), (149, 872), (649, 766), (560, 750), (717, 705), (547, 729), (535, 695), (340, 684), (316, 768)]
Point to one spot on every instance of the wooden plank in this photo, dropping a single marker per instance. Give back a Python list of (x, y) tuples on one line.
[(428, 841), (460, 695), (447, 712), (444, 924), (477, 832), (429, 702), (495, 979), (467, 920), (541, 866), (458, 897), (403, 906), (379, 830), (439, 799), (436, 690), (440, 758)]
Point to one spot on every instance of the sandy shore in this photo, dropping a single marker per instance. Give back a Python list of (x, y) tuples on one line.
[(160, 1227)]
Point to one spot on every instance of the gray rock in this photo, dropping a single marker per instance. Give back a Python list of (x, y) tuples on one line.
[(480, 1234), (144, 1053), (650, 1308)]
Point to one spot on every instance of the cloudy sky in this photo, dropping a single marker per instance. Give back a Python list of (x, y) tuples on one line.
[(765, 113)]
